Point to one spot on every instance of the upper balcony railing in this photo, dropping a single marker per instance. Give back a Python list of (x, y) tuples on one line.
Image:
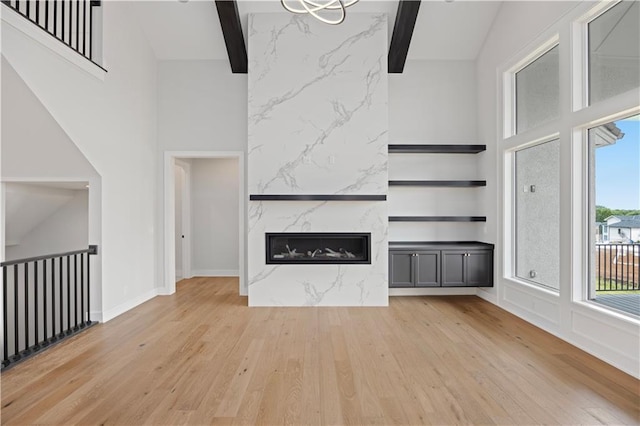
[(617, 267), (70, 21)]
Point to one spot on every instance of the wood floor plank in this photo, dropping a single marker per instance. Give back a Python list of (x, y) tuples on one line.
[(201, 356)]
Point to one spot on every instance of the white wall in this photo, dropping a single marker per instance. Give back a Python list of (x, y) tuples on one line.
[(202, 107), (66, 229), (31, 138), (519, 29), (112, 120), (434, 102), (215, 217)]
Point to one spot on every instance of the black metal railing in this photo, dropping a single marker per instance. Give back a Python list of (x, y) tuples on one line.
[(617, 267), (45, 299), (70, 21)]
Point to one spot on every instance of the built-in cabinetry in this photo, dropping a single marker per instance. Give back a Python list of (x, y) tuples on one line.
[(440, 264), (422, 264)]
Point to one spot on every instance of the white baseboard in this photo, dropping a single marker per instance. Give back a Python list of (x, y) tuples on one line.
[(215, 273), (488, 296), (95, 316), (440, 291), (129, 304)]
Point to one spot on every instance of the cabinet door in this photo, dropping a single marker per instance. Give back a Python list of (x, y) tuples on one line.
[(453, 268), (400, 268), (427, 269), (480, 268)]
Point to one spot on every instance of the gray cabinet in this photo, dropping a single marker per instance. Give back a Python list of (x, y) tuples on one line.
[(440, 264), (467, 268), (414, 268)]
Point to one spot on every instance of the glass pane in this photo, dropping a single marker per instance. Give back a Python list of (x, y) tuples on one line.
[(614, 51), (537, 91), (538, 214), (614, 165)]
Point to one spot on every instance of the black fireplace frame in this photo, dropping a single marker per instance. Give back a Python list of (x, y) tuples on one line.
[(366, 236)]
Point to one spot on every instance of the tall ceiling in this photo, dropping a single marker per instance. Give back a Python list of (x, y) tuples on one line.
[(191, 30)]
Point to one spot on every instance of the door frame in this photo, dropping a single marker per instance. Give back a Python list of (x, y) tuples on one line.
[(170, 159), (186, 218)]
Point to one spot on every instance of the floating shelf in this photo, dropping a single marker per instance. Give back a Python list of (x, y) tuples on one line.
[(437, 218), (439, 183), (436, 149), (315, 197)]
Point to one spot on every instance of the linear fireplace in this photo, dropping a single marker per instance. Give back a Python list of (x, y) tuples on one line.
[(318, 248)]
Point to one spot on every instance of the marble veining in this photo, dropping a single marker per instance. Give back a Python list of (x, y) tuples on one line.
[(318, 124)]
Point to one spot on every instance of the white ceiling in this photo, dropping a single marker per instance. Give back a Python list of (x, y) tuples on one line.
[(191, 30)]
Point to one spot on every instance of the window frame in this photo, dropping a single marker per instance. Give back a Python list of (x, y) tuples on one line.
[(509, 85), (576, 116)]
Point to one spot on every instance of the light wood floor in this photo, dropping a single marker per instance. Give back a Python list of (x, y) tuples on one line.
[(201, 356)]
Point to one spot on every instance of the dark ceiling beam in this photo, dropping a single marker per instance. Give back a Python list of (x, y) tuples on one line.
[(402, 32), (233, 37)]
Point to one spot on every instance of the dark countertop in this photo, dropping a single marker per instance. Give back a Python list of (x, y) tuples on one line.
[(439, 245)]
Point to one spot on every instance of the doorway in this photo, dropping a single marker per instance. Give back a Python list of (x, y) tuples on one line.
[(192, 212)]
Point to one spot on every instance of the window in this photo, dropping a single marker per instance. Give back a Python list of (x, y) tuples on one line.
[(571, 173), (537, 177), (614, 51), (614, 181), (537, 91)]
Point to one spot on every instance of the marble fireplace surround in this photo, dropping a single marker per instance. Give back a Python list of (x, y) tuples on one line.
[(318, 124)]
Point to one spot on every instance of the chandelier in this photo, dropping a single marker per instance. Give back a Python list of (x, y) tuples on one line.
[(328, 11)]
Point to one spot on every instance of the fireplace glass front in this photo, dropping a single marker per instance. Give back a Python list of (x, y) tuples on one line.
[(318, 248)]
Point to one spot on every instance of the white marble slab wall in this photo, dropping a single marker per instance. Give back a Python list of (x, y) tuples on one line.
[(318, 124)]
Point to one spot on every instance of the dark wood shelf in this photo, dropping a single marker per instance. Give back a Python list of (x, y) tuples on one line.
[(439, 183), (437, 219), (436, 149), (315, 197)]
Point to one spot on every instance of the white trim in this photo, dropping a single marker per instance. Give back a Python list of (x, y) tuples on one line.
[(169, 214), (46, 40), (215, 273), (95, 316), (110, 314), (490, 297), (428, 291), (565, 314), (43, 179), (509, 83)]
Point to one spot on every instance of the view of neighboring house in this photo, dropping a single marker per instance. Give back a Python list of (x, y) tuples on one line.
[(621, 229)]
